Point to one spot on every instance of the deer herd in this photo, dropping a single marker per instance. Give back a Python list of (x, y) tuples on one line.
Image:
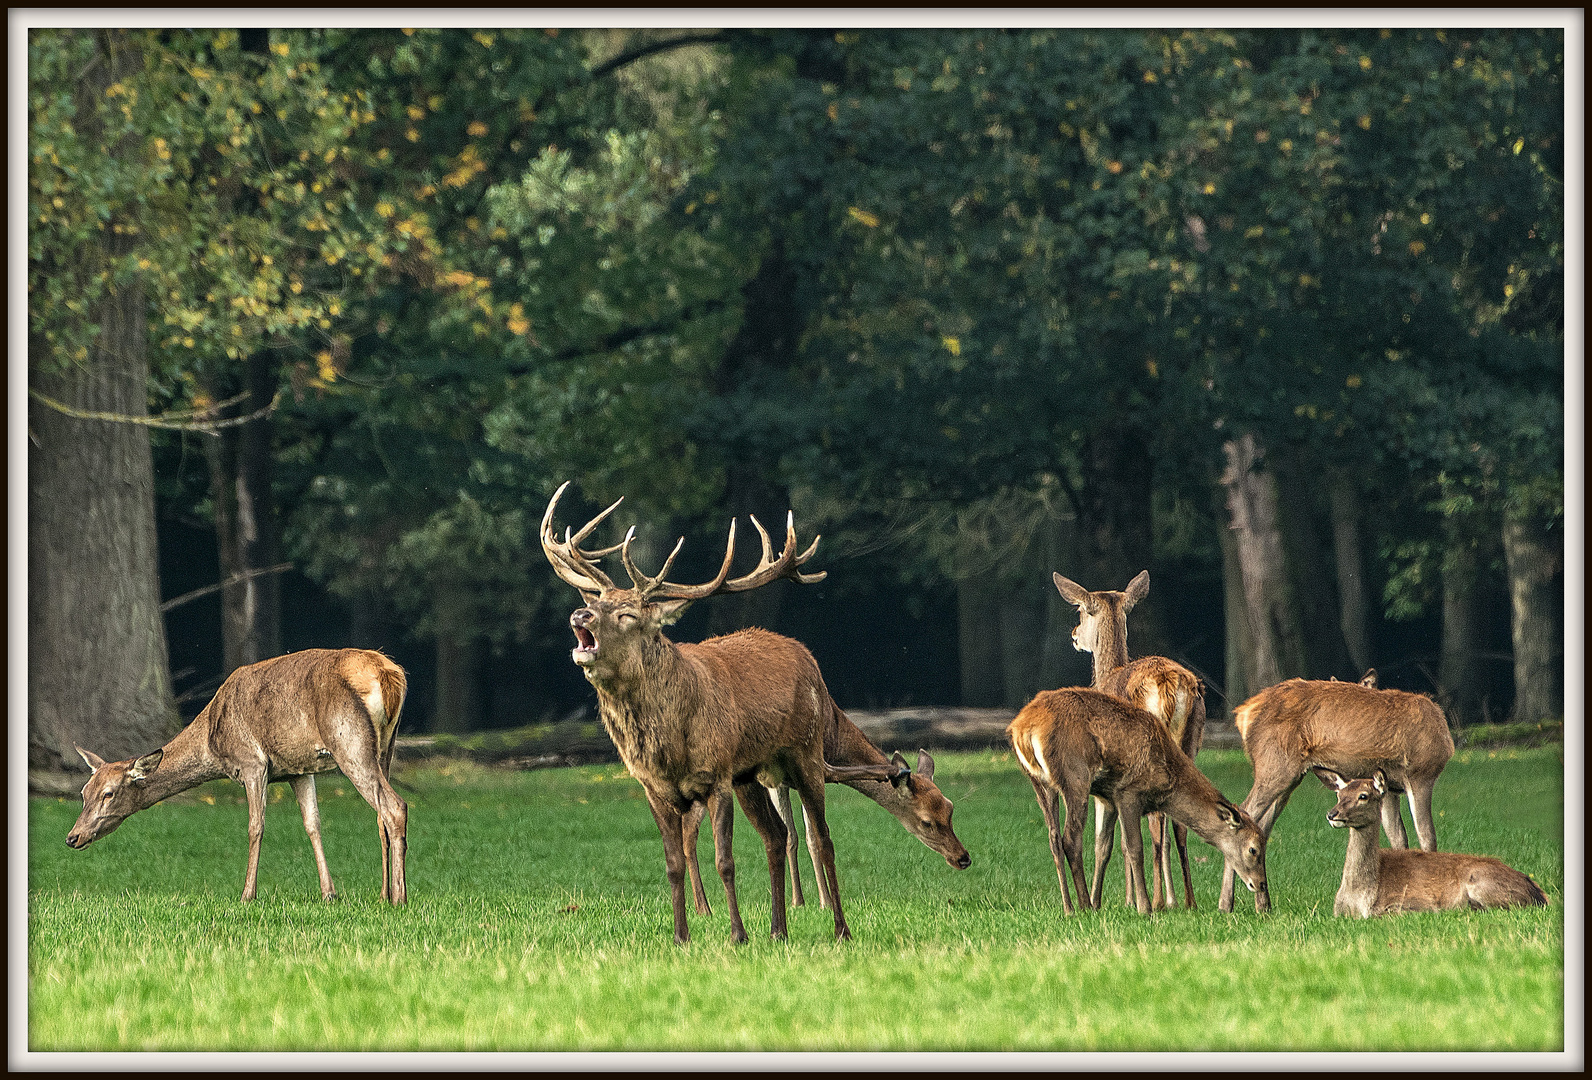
[(746, 717)]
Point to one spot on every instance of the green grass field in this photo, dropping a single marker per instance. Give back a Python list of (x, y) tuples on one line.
[(539, 920)]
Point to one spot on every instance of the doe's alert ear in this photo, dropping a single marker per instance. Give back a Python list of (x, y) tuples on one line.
[(1137, 589), (1071, 591), (145, 765), (1331, 779), (92, 760)]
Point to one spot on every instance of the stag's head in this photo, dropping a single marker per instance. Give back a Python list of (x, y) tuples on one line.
[(1359, 801), (113, 793), (1243, 846), (1101, 612), (617, 628), (924, 811)]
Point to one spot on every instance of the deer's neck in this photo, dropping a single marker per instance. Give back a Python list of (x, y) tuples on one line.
[(1111, 650), (1361, 872), (849, 746), (187, 762), (644, 704), (1192, 801)]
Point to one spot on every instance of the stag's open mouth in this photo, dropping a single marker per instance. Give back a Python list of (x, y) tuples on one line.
[(586, 648)]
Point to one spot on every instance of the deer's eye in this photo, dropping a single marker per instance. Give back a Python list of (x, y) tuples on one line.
[(624, 615), (106, 794), (1362, 796)]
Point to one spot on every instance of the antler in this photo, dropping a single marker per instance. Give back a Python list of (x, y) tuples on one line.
[(578, 568)]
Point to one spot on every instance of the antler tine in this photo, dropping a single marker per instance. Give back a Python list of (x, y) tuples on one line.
[(571, 564), (644, 584), (668, 590), (770, 568)]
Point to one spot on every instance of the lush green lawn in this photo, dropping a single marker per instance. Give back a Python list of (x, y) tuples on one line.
[(539, 919)]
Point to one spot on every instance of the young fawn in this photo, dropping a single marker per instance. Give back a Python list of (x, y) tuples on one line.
[(1379, 881)]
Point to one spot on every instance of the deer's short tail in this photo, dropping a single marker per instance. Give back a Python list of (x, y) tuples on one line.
[(393, 688)]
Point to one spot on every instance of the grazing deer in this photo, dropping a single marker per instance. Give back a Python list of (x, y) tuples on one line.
[(1380, 881), (1167, 690), (1353, 730), (1083, 742), (911, 796), (286, 718), (693, 722)]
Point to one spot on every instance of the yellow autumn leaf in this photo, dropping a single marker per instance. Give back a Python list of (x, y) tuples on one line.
[(476, 129), (863, 216), (952, 345), (518, 323)]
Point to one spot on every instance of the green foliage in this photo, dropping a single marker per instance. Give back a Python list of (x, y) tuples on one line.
[(539, 920)]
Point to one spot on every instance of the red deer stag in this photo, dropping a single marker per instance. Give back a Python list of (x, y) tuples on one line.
[(911, 797), (1353, 730), (1379, 881), (1167, 690), (287, 718), (1082, 742), (694, 722)]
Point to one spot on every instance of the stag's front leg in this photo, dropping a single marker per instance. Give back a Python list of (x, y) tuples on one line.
[(254, 793), (669, 821), (760, 812), (722, 809), (689, 825)]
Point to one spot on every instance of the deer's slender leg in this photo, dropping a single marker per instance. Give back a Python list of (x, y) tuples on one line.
[(722, 809), (1105, 836), (392, 819), (304, 791), (760, 812), (254, 792), (689, 826), (669, 825), (1161, 865), (1047, 806), (1420, 794), (1076, 803), (1393, 820), (811, 790), (1273, 786), (1180, 833), (1133, 850), (812, 852), (781, 800)]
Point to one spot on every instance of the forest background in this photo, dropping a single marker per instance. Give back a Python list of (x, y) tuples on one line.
[(327, 315)]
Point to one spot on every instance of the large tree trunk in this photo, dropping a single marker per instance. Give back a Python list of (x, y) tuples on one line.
[(1458, 679), (1304, 523), (1352, 603), (97, 669), (1240, 643), (979, 639), (246, 527), (1115, 527), (1534, 555), (459, 656), (1273, 616)]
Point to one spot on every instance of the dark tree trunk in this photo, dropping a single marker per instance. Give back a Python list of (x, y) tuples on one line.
[(979, 640), (1273, 615), (246, 526), (459, 700), (1115, 527), (1352, 603), (1304, 524), (97, 667), (1534, 555), (1240, 643), (1022, 626), (1458, 678)]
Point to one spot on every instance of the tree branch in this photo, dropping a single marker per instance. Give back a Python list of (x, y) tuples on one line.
[(167, 421), (641, 52), (178, 601), (624, 337)]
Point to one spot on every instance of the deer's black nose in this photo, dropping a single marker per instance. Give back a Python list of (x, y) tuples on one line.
[(582, 616)]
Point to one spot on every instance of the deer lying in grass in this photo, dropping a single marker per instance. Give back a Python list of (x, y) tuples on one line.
[(1379, 881), (286, 718), (693, 722), (910, 796), (1167, 690), (1082, 742), (1353, 730)]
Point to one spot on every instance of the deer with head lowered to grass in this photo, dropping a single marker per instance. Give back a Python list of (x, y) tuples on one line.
[(286, 718), (1076, 743), (1304, 725), (1381, 881), (1167, 690), (694, 723)]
